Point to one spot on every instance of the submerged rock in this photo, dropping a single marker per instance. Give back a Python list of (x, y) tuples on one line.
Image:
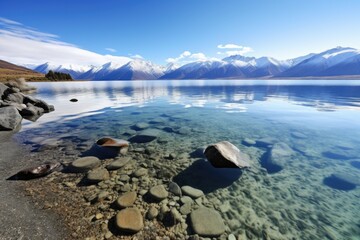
[(207, 222), (9, 118), (226, 155), (141, 126), (145, 136), (192, 192), (277, 157), (129, 220), (343, 181), (85, 164), (248, 142), (266, 142), (298, 135)]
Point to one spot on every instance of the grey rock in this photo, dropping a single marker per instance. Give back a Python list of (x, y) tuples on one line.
[(140, 172), (32, 110), (225, 155), (145, 136), (266, 142), (174, 188), (185, 209), (249, 142), (3, 90), (9, 118), (152, 213), (158, 192), (126, 200), (118, 163), (129, 220), (97, 175), (85, 164), (141, 126), (207, 222), (186, 199), (279, 155), (192, 192), (15, 97)]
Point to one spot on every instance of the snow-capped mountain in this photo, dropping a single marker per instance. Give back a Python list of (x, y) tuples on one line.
[(333, 62), (338, 61), (74, 70)]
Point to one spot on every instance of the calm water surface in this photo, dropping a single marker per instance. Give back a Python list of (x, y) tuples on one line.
[(312, 192)]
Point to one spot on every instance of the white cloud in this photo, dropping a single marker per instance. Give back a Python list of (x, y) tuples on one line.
[(187, 57), (110, 49), (229, 45), (136, 56), (20, 44), (235, 49)]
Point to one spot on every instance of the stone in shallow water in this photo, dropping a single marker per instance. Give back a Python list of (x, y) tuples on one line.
[(277, 157), (192, 192), (158, 192), (145, 136), (174, 188), (152, 213), (141, 126), (298, 135), (248, 142), (130, 220), (85, 164), (225, 155), (97, 175), (118, 163), (207, 222), (126, 200), (266, 142)]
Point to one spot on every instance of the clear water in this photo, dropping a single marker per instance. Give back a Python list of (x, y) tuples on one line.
[(318, 120)]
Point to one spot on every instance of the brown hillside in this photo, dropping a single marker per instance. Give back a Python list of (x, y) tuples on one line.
[(9, 71)]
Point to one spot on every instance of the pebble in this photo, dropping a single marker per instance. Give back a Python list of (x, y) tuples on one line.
[(98, 175), (186, 199), (159, 192), (118, 163), (140, 172), (192, 192), (152, 213), (185, 209), (85, 164), (126, 200), (174, 188)]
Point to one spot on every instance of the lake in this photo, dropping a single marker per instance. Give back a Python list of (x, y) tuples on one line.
[(310, 191)]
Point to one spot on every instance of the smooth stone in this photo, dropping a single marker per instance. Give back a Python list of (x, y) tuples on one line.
[(10, 118), (278, 156), (207, 222), (129, 220), (266, 142), (231, 237), (186, 199), (248, 142), (141, 126), (298, 135), (126, 200), (85, 164), (348, 177), (152, 213), (192, 192), (145, 136), (185, 209), (140, 172), (118, 163), (226, 155), (98, 175), (174, 188), (159, 192)]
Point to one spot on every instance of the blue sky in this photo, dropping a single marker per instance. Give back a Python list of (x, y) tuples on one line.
[(162, 30)]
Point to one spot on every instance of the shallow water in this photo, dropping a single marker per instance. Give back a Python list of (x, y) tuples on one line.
[(300, 199)]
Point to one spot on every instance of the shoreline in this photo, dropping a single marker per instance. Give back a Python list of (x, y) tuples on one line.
[(21, 216)]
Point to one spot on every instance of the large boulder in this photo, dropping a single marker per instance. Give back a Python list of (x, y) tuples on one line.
[(207, 222), (225, 155), (15, 97), (9, 118), (129, 220)]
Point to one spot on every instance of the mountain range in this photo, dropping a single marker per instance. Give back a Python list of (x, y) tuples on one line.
[(336, 62)]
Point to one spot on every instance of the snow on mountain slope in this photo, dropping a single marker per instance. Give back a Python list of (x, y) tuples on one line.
[(319, 64)]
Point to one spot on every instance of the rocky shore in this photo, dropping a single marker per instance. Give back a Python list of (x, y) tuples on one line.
[(15, 105)]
